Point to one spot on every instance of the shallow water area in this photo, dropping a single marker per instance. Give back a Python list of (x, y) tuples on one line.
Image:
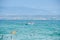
[(40, 30)]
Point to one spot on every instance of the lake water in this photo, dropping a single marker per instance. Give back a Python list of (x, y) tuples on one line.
[(39, 30)]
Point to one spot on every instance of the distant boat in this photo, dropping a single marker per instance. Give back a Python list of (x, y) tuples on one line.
[(30, 23)]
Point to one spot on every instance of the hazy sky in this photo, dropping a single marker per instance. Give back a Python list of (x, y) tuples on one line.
[(29, 7)]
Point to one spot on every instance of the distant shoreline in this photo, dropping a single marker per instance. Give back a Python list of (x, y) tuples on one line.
[(31, 17)]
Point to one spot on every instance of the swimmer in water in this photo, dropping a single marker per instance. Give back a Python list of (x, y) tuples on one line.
[(13, 32)]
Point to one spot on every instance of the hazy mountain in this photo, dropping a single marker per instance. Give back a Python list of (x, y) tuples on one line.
[(30, 17)]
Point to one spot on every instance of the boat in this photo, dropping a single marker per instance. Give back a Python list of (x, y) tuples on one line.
[(30, 23)]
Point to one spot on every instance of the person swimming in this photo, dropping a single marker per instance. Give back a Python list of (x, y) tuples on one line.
[(13, 32)]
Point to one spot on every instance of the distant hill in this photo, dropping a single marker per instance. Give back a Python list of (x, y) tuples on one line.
[(30, 17)]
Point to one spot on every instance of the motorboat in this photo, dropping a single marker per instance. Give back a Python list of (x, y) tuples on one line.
[(30, 23)]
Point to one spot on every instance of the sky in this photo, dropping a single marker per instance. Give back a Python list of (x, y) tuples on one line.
[(29, 7)]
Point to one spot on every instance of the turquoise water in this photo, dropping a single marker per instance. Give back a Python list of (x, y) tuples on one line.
[(40, 30)]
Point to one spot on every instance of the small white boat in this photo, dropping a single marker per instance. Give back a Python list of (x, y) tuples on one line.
[(30, 23)]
